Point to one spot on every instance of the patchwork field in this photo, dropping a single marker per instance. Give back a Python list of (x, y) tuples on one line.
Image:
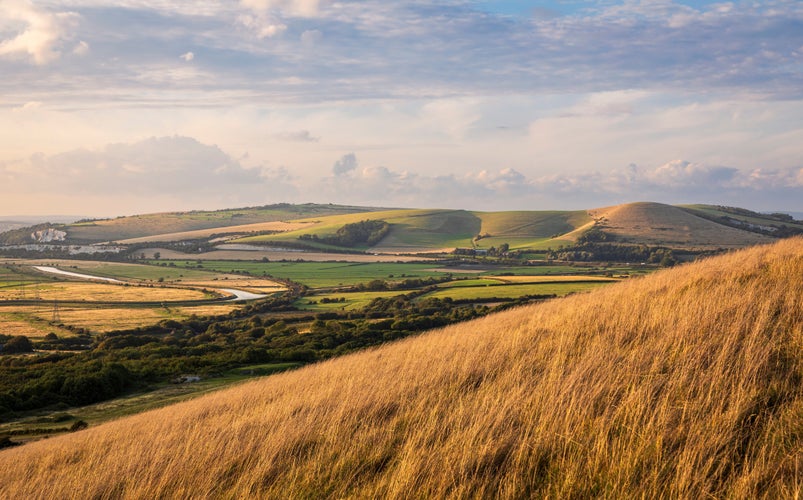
[(33, 303)]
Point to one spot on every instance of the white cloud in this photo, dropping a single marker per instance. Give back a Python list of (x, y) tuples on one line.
[(187, 56), (263, 25), (38, 34), (81, 48), (306, 8), (28, 106)]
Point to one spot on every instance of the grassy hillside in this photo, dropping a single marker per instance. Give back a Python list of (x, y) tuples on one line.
[(686, 383), (667, 225), (139, 226), (531, 229), (415, 230)]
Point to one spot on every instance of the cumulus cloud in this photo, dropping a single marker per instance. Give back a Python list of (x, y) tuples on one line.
[(41, 34), (177, 167), (676, 181), (345, 164), (263, 25)]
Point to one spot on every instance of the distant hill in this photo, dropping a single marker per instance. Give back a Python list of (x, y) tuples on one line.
[(682, 384), (689, 227), (138, 226), (667, 225)]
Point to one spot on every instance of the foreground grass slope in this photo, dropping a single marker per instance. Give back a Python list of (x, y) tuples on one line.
[(686, 383)]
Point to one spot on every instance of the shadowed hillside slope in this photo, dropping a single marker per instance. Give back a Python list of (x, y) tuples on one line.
[(686, 383)]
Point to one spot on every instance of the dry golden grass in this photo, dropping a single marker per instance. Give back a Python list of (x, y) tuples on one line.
[(106, 319), (685, 384), (658, 224), (101, 292)]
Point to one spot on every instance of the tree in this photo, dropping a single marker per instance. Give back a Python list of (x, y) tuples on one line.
[(16, 345)]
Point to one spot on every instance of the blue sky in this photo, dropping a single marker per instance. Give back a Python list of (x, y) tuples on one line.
[(134, 106)]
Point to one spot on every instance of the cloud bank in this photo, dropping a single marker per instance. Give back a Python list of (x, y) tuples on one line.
[(205, 176)]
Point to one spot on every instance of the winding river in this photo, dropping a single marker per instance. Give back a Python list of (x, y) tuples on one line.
[(239, 295)]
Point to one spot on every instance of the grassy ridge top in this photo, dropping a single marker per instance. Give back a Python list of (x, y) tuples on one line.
[(686, 383), (667, 225), (422, 230), (138, 226)]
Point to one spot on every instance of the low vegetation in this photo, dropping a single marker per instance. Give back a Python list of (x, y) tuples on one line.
[(683, 384)]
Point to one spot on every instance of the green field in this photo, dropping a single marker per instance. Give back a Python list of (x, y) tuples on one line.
[(514, 291), (351, 301), (333, 274)]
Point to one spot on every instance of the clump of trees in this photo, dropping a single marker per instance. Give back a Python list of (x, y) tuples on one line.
[(593, 251), (363, 233), (15, 345)]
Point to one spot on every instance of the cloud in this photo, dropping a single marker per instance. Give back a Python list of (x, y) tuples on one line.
[(187, 56), (177, 168), (298, 136), (676, 182), (305, 8), (345, 164), (311, 37), (81, 48), (41, 34)]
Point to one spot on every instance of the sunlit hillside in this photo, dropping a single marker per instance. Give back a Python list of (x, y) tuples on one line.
[(685, 384), (667, 225)]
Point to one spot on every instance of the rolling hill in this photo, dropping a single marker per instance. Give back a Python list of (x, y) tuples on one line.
[(682, 384), (670, 226), (690, 227)]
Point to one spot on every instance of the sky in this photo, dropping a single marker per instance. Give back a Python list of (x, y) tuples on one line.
[(138, 106)]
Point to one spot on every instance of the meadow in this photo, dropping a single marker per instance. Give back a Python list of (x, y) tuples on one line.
[(684, 384)]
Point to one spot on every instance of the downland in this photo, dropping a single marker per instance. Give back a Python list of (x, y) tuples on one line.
[(685, 383), (333, 228)]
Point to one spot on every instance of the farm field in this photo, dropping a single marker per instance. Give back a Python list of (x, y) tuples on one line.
[(34, 304), (70, 291), (501, 291), (335, 274)]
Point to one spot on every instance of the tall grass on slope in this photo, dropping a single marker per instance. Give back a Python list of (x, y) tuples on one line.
[(686, 383)]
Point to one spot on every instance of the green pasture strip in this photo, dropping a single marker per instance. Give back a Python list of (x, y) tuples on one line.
[(141, 272), (513, 291), (471, 282), (353, 300), (325, 274)]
